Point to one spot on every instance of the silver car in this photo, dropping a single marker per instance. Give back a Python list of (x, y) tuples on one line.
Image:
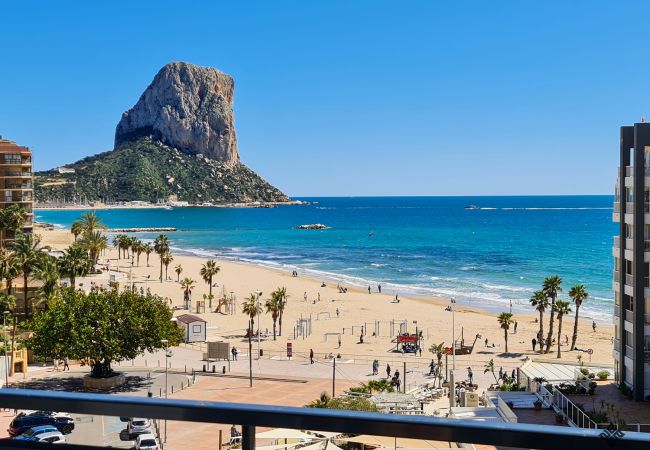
[(147, 442), (138, 425)]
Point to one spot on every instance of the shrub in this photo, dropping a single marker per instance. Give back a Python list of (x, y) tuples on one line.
[(603, 374), (584, 371), (591, 376)]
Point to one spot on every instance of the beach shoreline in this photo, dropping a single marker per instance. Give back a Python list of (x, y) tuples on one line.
[(337, 318)]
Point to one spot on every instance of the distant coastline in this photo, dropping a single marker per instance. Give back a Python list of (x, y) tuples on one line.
[(146, 205)]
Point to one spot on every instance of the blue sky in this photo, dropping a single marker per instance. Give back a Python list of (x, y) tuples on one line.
[(350, 97)]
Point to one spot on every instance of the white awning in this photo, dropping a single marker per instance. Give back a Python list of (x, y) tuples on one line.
[(284, 433)]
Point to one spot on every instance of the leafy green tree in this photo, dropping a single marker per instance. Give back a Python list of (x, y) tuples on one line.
[(179, 270), (187, 284), (343, 403), (100, 328), (74, 263), (12, 221), (209, 270), (9, 268), (539, 301), (161, 247), (505, 320), (562, 308), (551, 287), (578, 294), (28, 251)]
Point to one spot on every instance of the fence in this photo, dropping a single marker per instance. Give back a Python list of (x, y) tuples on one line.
[(251, 416)]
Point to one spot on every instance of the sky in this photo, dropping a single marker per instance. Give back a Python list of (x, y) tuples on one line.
[(350, 98)]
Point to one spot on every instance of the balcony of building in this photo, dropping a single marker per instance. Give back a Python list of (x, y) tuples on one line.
[(18, 186), (617, 345), (16, 197), (17, 173), (388, 428), (629, 279), (13, 159), (617, 311), (629, 208)]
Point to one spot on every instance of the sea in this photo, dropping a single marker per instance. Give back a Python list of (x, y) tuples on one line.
[(492, 257)]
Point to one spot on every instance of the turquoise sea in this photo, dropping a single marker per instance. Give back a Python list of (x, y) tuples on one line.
[(411, 245)]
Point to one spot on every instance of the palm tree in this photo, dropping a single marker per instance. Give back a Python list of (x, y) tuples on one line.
[(578, 294), (167, 258), (179, 270), (562, 308), (187, 284), (251, 307), (321, 402), (161, 246), (76, 229), (94, 242), (117, 244), (90, 222), (273, 308), (148, 249), (489, 367), (47, 271), (209, 270), (74, 262), (540, 301), (282, 292), (138, 249), (505, 320), (9, 268), (12, 219), (438, 350), (28, 251), (551, 287)]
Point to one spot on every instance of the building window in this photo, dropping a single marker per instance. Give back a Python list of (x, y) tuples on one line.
[(629, 231), (197, 329)]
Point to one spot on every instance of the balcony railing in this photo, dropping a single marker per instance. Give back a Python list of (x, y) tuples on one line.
[(617, 241), (617, 310), (617, 276), (629, 351), (629, 208), (252, 416), (629, 279), (629, 171), (617, 207), (629, 315), (617, 345)]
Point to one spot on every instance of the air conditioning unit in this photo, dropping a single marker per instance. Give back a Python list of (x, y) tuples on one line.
[(470, 399)]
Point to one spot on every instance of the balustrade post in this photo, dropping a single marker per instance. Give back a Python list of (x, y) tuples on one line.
[(248, 437)]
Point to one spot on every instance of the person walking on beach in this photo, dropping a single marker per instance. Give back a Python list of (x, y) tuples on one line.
[(534, 342), (319, 296), (305, 296), (515, 327), (486, 342), (66, 363), (593, 325), (368, 289), (387, 370), (379, 288), (311, 356), (339, 341), (337, 312), (470, 375)]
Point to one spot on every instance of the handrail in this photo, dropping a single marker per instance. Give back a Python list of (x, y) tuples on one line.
[(251, 416), (565, 405)]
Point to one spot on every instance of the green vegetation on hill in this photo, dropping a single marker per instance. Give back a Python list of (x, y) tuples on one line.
[(149, 170)]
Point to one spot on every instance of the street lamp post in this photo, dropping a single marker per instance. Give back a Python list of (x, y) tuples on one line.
[(4, 333), (452, 382), (165, 342)]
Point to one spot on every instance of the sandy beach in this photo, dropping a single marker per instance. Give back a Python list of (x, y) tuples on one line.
[(356, 308)]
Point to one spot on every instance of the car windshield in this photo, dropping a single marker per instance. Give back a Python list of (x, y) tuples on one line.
[(148, 443), (139, 423)]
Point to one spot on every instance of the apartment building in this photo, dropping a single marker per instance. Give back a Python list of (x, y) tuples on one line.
[(16, 179), (632, 261)]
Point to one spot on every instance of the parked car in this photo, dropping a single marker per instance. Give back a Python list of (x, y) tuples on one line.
[(35, 431), (51, 437), (138, 425), (22, 422), (147, 441)]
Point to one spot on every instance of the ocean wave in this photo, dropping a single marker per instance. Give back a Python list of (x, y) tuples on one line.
[(468, 268), (503, 287)]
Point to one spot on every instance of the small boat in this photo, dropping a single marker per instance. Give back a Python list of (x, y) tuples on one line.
[(472, 207)]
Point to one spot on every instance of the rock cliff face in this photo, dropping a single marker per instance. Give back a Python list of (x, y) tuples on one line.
[(186, 107)]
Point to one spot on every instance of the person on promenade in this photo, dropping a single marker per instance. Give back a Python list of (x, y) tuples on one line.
[(311, 356), (55, 364), (515, 327), (500, 373), (339, 341), (387, 370), (66, 364), (470, 375), (534, 342), (514, 374)]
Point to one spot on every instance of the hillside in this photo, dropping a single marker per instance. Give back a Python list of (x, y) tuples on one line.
[(146, 169)]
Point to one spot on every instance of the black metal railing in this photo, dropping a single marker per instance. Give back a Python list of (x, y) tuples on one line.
[(250, 416)]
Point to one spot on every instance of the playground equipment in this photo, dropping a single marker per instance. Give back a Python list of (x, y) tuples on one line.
[(461, 348)]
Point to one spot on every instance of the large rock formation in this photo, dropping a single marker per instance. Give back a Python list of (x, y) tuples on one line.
[(186, 107)]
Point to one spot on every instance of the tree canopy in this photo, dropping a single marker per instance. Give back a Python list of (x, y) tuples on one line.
[(102, 327)]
